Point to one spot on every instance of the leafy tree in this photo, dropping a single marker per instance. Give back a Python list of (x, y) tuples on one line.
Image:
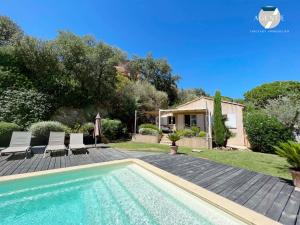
[(39, 62), (139, 95), (265, 131), (147, 97), (13, 80), (219, 130), (239, 100), (23, 107), (286, 109), (10, 32), (186, 95), (36, 58), (78, 72), (156, 71), (103, 75), (260, 95), (91, 65), (73, 52)]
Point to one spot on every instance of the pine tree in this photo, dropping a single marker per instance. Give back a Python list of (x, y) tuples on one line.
[(218, 123)]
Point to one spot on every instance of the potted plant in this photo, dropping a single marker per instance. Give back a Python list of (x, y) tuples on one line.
[(173, 138), (291, 151)]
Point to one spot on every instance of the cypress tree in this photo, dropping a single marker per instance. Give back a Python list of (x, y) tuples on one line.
[(218, 122)]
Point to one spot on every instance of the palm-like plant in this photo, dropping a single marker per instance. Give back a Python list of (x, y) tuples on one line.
[(291, 151), (174, 137)]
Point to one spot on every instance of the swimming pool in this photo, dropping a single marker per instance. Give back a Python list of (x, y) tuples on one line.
[(117, 194)]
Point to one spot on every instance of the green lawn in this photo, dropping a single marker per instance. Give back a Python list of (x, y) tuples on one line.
[(258, 162)]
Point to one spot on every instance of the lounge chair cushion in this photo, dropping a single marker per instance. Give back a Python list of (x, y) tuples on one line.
[(55, 147), (77, 146), (15, 149)]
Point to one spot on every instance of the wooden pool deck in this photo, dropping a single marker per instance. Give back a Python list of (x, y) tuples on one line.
[(271, 196)]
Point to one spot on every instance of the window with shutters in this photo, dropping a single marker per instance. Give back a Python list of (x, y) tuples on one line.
[(230, 120)]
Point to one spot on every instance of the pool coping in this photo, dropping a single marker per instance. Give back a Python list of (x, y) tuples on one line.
[(240, 212)]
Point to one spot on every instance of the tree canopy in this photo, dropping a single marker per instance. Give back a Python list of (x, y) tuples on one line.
[(260, 95), (186, 95), (10, 32), (157, 72), (79, 72)]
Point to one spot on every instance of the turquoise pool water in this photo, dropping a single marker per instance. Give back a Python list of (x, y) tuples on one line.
[(116, 195)]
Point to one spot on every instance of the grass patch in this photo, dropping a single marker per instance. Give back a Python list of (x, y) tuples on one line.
[(259, 162)]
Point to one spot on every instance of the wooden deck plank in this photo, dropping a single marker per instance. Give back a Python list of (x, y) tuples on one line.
[(211, 174), (259, 195), (221, 180), (46, 163), (6, 167), (269, 198), (41, 163), (291, 211), (252, 190), (52, 163), (280, 202), (265, 194), (234, 183), (35, 162), (298, 219)]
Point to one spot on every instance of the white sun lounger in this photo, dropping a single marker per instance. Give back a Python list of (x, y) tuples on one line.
[(76, 142), (19, 142), (56, 143)]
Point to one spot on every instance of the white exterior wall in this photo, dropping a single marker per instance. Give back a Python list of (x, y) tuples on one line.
[(227, 108), (179, 122)]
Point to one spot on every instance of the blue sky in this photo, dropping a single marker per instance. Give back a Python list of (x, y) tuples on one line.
[(208, 43)]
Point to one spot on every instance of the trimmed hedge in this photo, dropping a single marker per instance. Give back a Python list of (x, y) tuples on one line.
[(202, 134), (193, 132), (87, 128), (186, 133), (264, 132), (112, 129), (148, 131), (41, 130), (149, 125), (6, 130)]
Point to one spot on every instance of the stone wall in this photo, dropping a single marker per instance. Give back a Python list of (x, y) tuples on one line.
[(146, 138), (194, 142)]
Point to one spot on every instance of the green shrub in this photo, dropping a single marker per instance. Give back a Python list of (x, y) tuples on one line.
[(219, 128), (12, 80), (291, 151), (202, 134), (86, 128), (23, 107), (174, 137), (112, 129), (264, 131), (148, 131), (196, 130), (6, 130), (149, 125), (41, 130), (186, 133)]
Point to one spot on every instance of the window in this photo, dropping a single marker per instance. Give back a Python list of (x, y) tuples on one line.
[(187, 120), (231, 120), (190, 120), (193, 120), (171, 120)]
